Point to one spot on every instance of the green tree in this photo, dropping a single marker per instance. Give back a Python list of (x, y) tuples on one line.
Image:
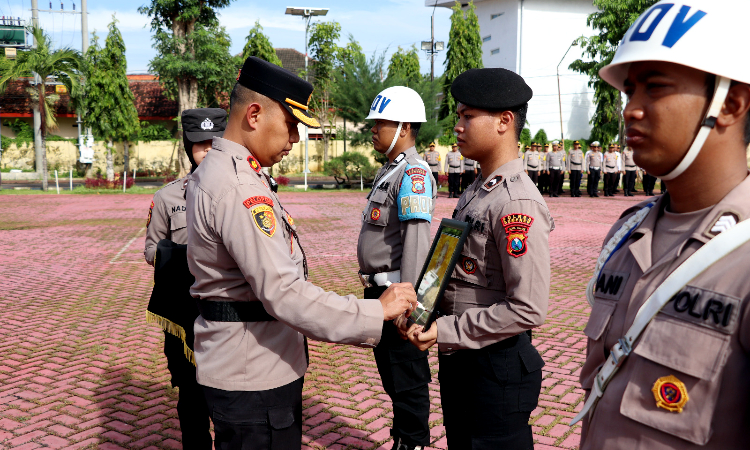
[(257, 44), (525, 138), (540, 137), (613, 20), (325, 52), (404, 65), (464, 53), (182, 28), (109, 103), (64, 64)]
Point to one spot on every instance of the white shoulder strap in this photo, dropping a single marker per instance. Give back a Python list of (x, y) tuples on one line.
[(716, 249)]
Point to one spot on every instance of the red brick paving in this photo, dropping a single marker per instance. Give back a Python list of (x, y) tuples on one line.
[(80, 368)]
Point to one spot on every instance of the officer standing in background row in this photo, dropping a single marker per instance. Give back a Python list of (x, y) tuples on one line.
[(619, 167), (555, 167), (166, 220), (392, 247), (649, 183), (251, 273), (520, 152), (544, 179), (575, 165), (593, 165), (490, 373), (454, 169), (611, 170), (629, 169), (532, 163), (668, 357), (432, 157), (561, 146), (470, 173)]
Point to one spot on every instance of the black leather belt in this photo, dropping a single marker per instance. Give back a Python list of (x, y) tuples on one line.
[(633, 167), (234, 311)]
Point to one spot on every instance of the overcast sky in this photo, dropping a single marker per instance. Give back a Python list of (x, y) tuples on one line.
[(378, 26)]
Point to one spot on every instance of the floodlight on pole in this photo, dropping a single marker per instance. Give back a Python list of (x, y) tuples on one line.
[(559, 95), (431, 47), (306, 14)]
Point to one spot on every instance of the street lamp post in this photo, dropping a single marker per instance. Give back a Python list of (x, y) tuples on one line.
[(306, 14), (431, 47), (559, 95)]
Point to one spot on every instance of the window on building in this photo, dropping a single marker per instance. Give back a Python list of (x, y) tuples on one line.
[(495, 16), (495, 51), (487, 38)]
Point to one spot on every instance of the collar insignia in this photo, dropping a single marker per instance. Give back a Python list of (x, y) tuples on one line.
[(254, 164), (723, 223), (493, 183)]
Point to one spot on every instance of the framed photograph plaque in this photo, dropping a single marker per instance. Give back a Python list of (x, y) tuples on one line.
[(445, 251)]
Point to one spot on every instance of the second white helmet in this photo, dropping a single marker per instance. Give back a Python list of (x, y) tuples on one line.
[(399, 104)]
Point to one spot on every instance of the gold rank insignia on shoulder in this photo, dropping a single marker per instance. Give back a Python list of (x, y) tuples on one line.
[(254, 164), (670, 393)]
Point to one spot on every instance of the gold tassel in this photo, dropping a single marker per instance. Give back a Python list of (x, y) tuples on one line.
[(173, 329)]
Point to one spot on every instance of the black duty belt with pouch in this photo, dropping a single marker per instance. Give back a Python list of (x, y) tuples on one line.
[(223, 311)]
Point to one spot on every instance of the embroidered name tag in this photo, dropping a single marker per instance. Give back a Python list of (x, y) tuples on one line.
[(611, 284), (705, 308)]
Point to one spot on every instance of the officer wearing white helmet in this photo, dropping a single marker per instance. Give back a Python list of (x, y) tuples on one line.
[(668, 357), (393, 245)]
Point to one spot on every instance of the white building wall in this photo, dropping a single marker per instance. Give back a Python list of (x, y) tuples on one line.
[(530, 38)]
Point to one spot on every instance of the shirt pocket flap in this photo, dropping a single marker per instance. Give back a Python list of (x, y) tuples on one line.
[(377, 210), (178, 221), (599, 319), (379, 196), (691, 349)]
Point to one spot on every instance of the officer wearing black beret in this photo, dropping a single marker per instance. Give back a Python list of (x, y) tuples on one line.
[(171, 305), (490, 373)]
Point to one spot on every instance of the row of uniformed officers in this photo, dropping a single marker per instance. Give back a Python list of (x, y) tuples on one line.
[(675, 378)]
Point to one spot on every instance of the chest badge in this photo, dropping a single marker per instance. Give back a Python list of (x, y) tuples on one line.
[(264, 219), (469, 265), (670, 393), (375, 214), (517, 229)]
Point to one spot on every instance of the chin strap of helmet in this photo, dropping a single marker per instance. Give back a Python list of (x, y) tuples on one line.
[(720, 95), (395, 138)]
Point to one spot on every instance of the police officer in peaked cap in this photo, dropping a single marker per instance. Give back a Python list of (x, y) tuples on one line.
[(490, 373), (256, 305), (668, 358), (393, 244), (175, 311)]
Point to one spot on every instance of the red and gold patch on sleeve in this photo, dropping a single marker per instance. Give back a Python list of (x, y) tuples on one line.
[(264, 219), (517, 229), (257, 200), (150, 211)]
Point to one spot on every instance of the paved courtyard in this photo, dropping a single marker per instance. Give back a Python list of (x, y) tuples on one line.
[(81, 368)]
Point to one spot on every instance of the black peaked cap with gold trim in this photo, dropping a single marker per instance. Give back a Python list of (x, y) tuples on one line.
[(281, 85), (491, 89)]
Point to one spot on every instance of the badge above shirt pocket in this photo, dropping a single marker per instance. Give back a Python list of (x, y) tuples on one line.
[(377, 211), (676, 378)]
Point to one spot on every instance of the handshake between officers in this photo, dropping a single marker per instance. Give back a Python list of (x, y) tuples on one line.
[(256, 306)]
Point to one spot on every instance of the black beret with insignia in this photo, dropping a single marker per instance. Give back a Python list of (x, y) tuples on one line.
[(203, 124), (492, 89), (279, 84)]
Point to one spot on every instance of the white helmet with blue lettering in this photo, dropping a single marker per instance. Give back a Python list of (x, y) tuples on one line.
[(685, 32), (398, 104)]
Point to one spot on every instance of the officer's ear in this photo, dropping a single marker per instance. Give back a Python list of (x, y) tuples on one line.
[(405, 130), (736, 106), (252, 114), (505, 122)]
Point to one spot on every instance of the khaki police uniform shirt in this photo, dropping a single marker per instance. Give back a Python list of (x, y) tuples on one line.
[(166, 218), (453, 162), (433, 160), (701, 337), (241, 247), (575, 160), (555, 160), (533, 161), (469, 165), (610, 162), (500, 286), (385, 242), (628, 161), (593, 160), (520, 153)]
